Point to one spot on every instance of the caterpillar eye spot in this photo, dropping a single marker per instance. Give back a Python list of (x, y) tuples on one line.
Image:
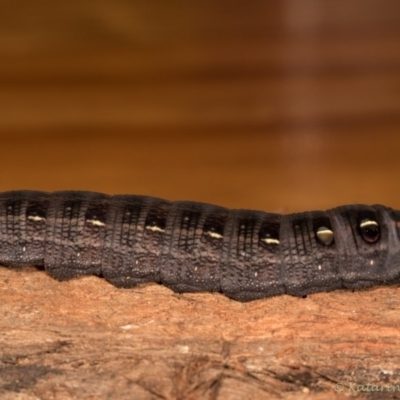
[(36, 213), (325, 236), (214, 229), (155, 223), (369, 231), (269, 235)]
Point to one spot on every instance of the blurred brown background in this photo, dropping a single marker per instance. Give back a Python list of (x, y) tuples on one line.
[(279, 106)]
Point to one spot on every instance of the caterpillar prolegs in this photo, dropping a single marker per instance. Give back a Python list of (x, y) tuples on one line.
[(192, 247)]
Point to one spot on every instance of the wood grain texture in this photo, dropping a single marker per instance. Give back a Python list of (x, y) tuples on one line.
[(271, 106)]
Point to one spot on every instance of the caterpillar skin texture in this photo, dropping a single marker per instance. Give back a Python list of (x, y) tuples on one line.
[(193, 247)]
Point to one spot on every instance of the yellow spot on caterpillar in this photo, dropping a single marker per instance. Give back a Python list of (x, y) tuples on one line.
[(319, 267), (270, 241), (195, 268), (325, 235), (367, 223), (154, 228), (255, 273), (24, 248), (371, 262), (214, 235), (95, 222), (36, 218)]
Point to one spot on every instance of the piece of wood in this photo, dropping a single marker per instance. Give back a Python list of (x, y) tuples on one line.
[(87, 339)]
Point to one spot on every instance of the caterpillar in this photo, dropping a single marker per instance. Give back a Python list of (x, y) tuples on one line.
[(194, 247)]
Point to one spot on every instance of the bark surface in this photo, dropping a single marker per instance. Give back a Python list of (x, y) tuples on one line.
[(86, 339)]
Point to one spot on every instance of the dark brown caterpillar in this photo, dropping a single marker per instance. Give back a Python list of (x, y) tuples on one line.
[(193, 247)]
